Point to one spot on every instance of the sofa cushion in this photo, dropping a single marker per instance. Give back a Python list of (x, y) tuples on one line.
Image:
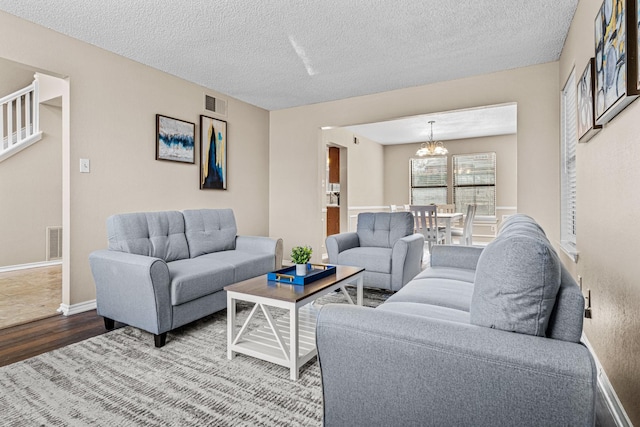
[(245, 264), (370, 258), (155, 234), (382, 229), (426, 310), (210, 230), (195, 278), (460, 274), (517, 280), (520, 222), (449, 293), (568, 313)]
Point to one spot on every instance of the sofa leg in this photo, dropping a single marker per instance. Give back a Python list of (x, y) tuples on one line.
[(109, 324), (160, 339)]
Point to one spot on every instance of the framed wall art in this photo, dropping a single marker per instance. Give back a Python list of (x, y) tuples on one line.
[(213, 153), (175, 140), (587, 126), (616, 66)]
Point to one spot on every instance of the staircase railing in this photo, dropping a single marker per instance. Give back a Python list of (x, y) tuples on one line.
[(19, 120)]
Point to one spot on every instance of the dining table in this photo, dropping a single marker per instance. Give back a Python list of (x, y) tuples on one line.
[(448, 218)]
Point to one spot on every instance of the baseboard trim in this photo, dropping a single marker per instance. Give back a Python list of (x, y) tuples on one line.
[(69, 310), (604, 385), (30, 265)]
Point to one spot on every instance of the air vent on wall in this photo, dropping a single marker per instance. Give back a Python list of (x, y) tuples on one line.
[(215, 105), (54, 243)]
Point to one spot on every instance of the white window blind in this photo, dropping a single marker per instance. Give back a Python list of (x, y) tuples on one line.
[(474, 182), (429, 181), (568, 142)]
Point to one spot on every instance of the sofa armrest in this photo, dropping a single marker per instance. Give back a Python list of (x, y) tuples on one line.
[(414, 370), (455, 256), (259, 244), (133, 289), (337, 243), (406, 260)]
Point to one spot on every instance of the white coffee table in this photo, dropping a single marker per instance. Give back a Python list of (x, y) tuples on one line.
[(274, 341)]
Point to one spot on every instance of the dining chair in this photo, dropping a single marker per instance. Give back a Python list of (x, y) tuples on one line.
[(425, 219), (448, 208), (466, 233)]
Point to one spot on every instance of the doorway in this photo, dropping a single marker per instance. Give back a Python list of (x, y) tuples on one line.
[(333, 190), (31, 260)]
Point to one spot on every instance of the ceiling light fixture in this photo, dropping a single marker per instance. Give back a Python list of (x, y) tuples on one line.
[(431, 147)]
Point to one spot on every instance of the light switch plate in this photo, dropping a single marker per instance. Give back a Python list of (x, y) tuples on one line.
[(84, 166)]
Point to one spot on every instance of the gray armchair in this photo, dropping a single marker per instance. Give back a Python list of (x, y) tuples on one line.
[(384, 245)]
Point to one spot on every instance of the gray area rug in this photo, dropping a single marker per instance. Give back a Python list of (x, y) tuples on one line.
[(121, 379)]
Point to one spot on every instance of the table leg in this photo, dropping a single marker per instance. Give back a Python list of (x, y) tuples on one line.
[(293, 342), (447, 232), (231, 325), (360, 290)]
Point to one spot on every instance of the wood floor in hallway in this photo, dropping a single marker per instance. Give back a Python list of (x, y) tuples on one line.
[(30, 294)]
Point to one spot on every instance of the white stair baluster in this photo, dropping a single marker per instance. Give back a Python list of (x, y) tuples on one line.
[(3, 146), (19, 124), (10, 123), (27, 111)]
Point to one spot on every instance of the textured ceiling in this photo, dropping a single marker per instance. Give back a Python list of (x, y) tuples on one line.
[(278, 54)]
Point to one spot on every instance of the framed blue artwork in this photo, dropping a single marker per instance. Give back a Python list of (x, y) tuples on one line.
[(175, 140), (213, 153)]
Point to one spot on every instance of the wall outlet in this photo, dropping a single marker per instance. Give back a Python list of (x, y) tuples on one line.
[(587, 305)]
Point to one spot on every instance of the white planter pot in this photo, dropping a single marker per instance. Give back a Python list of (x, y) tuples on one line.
[(301, 269)]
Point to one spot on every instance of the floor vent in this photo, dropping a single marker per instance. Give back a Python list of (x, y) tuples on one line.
[(54, 243), (215, 105)]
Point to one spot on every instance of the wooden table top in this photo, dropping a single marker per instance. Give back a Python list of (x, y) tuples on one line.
[(261, 287)]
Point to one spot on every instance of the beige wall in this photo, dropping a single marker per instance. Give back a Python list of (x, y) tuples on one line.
[(13, 77), (396, 165), (30, 181), (365, 167), (31, 194), (294, 136), (607, 227), (112, 122)]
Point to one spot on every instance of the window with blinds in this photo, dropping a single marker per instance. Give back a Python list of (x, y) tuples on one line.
[(568, 142), (429, 181), (474, 182)]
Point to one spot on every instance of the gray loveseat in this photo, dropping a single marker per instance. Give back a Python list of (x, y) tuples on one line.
[(481, 338), (384, 245), (165, 269)]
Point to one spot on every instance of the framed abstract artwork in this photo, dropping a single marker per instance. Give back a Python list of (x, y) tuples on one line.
[(587, 126), (213, 153), (175, 140), (616, 67)]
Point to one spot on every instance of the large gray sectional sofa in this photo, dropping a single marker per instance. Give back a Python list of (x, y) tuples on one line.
[(483, 337), (163, 270)]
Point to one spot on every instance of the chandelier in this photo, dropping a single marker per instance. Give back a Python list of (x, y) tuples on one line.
[(431, 147)]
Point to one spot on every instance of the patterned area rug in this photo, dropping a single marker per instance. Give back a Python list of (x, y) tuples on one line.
[(121, 379)]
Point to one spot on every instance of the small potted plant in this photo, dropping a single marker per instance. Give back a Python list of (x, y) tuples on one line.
[(301, 255)]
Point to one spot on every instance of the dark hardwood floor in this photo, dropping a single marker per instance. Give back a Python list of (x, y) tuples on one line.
[(30, 339)]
